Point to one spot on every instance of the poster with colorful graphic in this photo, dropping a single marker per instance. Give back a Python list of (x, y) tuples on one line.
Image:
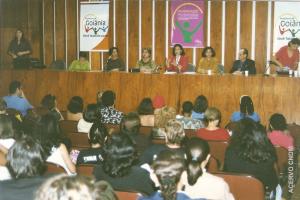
[(94, 25), (187, 17), (286, 23)]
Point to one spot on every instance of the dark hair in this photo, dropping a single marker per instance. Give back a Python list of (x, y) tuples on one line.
[(6, 127), (108, 98), (74, 187), (181, 48), (112, 49), (3, 105), (206, 49), (245, 51), (146, 107), (23, 35), (187, 107), (91, 113), (168, 167), (98, 134), (26, 158), (47, 131), (120, 155), (13, 86), (200, 104), (251, 143), (294, 41), (196, 152), (246, 106), (131, 124), (278, 122), (149, 50), (83, 54), (75, 105), (48, 102)]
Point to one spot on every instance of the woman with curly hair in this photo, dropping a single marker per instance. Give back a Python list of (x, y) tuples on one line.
[(119, 167)]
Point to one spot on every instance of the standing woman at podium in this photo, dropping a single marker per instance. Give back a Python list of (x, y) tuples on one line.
[(178, 62), (19, 49)]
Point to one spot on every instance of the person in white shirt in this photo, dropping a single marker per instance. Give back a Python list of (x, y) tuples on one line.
[(199, 183), (90, 115)]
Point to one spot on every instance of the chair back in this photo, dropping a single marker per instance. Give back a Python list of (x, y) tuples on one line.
[(217, 150), (78, 140), (127, 195), (85, 170), (68, 126), (54, 169)]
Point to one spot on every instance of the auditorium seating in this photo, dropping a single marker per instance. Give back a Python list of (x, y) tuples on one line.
[(213, 165), (78, 140), (54, 169), (282, 159), (217, 150), (68, 126), (244, 187), (127, 195), (85, 170)]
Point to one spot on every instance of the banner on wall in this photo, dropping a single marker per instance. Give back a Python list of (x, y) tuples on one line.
[(286, 23), (94, 25), (187, 17)]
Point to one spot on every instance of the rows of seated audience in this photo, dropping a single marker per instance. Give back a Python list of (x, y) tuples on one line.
[(176, 167)]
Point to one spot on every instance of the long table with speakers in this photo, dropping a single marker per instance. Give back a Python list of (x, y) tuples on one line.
[(270, 94)]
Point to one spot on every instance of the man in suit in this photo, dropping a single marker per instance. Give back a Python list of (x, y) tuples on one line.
[(243, 64)]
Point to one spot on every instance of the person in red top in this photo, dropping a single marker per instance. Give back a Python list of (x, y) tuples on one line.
[(178, 62), (288, 56), (212, 117), (279, 135)]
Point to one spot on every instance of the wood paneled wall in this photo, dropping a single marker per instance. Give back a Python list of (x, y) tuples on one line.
[(51, 26)]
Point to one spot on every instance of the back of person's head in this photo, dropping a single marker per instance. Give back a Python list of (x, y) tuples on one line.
[(49, 102), (98, 134), (48, 132), (30, 121), (187, 107), (75, 105), (6, 127), (13, 86), (200, 104), (146, 107), (163, 115), (168, 167), (278, 122), (211, 114), (108, 98), (26, 158), (131, 124), (74, 187), (294, 41), (158, 101), (120, 155), (197, 153), (246, 105), (3, 106), (251, 143), (91, 113), (174, 132)]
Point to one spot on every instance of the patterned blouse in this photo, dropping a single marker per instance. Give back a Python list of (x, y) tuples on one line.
[(110, 115)]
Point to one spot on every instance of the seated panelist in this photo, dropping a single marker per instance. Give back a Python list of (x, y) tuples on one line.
[(146, 64), (114, 62), (208, 61), (243, 64), (178, 62)]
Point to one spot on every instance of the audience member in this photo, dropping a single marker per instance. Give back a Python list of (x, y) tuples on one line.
[(109, 115), (174, 135), (251, 152), (90, 115), (186, 117), (243, 64), (161, 117), (98, 136), (198, 182), (159, 102), (26, 163), (82, 64), (246, 110), (48, 133), (212, 131), (146, 112), (208, 61), (167, 173), (200, 106), (16, 98), (130, 125), (119, 167), (50, 104), (75, 188), (75, 109), (279, 134)]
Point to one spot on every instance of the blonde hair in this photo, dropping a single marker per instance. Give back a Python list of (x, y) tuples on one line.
[(212, 114), (174, 132), (163, 115)]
